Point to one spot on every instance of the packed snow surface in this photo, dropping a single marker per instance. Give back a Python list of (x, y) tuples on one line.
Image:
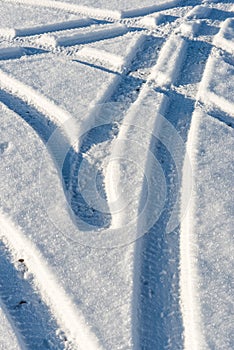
[(116, 173), (8, 338)]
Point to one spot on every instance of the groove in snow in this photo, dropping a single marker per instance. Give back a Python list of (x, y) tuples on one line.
[(67, 315)]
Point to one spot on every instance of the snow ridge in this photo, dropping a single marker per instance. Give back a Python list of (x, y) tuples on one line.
[(189, 278)]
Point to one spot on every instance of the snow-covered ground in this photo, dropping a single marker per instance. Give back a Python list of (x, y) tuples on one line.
[(116, 173)]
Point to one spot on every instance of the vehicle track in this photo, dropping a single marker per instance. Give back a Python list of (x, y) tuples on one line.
[(157, 254), (29, 313), (41, 309), (193, 323), (125, 91), (96, 12)]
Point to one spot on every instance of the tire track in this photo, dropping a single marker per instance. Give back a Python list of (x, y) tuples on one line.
[(191, 305), (134, 118), (11, 33), (143, 307), (155, 281), (161, 278), (10, 53), (73, 8), (9, 335), (44, 116), (100, 13), (123, 93), (53, 297), (109, 60), (157, 258), (54, 113), (100, 33), (162, 76), (30, 315), (158, 263)]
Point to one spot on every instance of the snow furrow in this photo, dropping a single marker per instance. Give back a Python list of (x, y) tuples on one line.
[(18, 32), (165, 281), (82, 271), (11, 52), (198, 12), (73, 8), (35, 100), (214, 90), (116, 101), (58, 116), (109, 60), (120, 109), (67, 315), (125, 146), (164, 73), (102, 13)]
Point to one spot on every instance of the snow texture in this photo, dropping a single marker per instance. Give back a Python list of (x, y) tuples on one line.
[(116, 173)]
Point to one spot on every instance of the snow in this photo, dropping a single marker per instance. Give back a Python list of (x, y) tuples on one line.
[(54, 295), (215, 244), (225, 37), (113, 53), (103, 8), (30, 17), (116, 45), (128, 8), (51, 27), (190, 278), (50, 96), (132, 144), (217, 86), (152, 21), (198, 12), (83, 36), (11, 52), (170, 60), (207, 228), (77, 268), (102, 57), (8, 336), (116, 173)]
